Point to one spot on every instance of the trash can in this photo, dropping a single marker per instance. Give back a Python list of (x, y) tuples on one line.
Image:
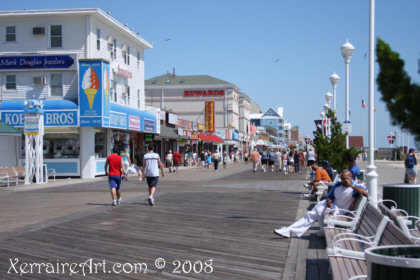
[(407, 197), (393, 262)]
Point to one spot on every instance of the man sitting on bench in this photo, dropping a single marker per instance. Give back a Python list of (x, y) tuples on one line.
[(339, 198)]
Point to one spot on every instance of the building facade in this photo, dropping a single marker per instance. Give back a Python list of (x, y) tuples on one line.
[(88, 70), (202, 99), (272, 123)]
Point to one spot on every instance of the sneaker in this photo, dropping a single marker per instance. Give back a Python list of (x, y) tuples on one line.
[(320, 233), (283, 232), (151, 201), (306, 186), (119, 201), (307, 195), (114, 203)]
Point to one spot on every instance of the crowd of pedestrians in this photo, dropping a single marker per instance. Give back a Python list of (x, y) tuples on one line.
[(280, 160)]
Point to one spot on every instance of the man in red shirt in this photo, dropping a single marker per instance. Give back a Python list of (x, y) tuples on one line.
[(176, 157), (116, 170)]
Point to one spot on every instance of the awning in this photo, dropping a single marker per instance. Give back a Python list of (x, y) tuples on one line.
[(8, 130), (169, 133), (209, 138)]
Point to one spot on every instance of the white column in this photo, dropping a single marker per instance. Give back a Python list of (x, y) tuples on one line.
[(371, 175), (87, 152)]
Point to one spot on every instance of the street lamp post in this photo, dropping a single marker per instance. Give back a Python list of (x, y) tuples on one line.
[(347, 50), (322, 115), (334, 78), (326, 119), (328, 97)]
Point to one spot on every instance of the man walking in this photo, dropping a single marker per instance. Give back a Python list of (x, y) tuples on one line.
[(116, 170), (176, 158), (255, 158), (151, 165)]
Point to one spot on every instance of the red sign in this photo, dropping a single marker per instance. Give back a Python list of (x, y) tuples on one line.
[(209, 107), (124, 72), (210, 92)]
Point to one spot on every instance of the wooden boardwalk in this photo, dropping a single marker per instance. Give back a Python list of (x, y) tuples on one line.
[(203, 229)]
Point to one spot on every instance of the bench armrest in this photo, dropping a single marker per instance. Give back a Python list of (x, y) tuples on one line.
[(4, 175), (339, 250)]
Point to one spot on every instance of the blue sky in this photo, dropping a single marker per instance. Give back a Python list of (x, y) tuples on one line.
[(239, 40)]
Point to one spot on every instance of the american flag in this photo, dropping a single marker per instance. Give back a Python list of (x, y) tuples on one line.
[(363, 104)]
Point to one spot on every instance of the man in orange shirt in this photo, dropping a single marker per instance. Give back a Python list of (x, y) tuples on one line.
[(321, 177), (255, 159), (116, 170)]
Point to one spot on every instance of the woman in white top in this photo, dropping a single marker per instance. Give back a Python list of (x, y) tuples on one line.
[(169, 163)]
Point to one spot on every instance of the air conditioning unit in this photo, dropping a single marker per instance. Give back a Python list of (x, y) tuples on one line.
[(40, 80), (38, 31)]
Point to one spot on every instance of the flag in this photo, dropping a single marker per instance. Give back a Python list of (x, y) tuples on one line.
[(363, 104)]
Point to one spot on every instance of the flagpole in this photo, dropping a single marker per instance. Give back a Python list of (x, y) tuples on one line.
[(363, 138)]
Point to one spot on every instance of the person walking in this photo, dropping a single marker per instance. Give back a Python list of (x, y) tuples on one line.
[(284, 162), (225, 157), (139, 158), (255, 159), (203, 159), (297, 162), (338, 200), (271, 159), (127, 162), (151, 166), (114, 173), (410, 163), (216, 160), (176, 159), (208, 160), (278, 161), (311, 157), (169, 161)]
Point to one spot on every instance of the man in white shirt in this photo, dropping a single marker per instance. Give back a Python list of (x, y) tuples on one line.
[(339, 198), (151, 165)]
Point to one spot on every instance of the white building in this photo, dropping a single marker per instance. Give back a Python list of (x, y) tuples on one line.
[(89, 71), (228, 116)]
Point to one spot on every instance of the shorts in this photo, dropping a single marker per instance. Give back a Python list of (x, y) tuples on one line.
[(411, 171), (114, 182), (152, 181), (176, 164), (310, 162), (169, 164), (271, 162), (264, 161)]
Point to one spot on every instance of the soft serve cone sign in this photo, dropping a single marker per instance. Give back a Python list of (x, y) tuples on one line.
[(90, 85)]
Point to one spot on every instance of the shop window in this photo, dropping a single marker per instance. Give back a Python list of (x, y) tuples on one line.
[(138, 99), (128, 56), (10, 33), (56, 36), (10, 82), (60, 145), (100, 145), (124, 56), (56, 85), (98, 39)]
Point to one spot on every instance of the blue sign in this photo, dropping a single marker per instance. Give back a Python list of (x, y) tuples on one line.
[(148, 125), (118, 120), (35, 62), (51, 118)]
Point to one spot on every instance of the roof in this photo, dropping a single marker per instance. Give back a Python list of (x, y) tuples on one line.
[(169, 133), (6, 129), (96, 12), (209, 138), (188, 80)]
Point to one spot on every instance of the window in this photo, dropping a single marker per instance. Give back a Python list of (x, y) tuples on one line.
[(124, 56), (10, 33), (56, 36), (110, 48), (114, 90), (98, 39), (56, 85), (128, 56), (10, 82), (115, 49), (128, 96), (138, 60)]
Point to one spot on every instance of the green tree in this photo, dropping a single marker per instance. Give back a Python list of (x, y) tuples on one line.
[(334, 148), (402, 97)]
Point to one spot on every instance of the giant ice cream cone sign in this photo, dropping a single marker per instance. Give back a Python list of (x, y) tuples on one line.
[(90, 85), (106, 81)]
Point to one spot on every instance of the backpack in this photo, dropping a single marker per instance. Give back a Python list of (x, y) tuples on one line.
[(409, 161)]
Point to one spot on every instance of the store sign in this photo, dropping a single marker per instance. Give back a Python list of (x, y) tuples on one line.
[(200, 93), (118, 120), (35, 62), (51, 118), (185, 124), (201, 127), (209, 110), (149, 125), (94, 91), (134, 123), (124, 72), (172, 119), (194, 135), (149, 137)]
